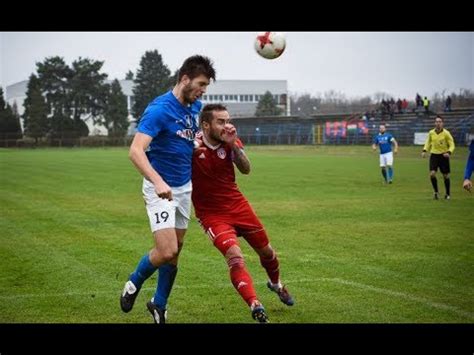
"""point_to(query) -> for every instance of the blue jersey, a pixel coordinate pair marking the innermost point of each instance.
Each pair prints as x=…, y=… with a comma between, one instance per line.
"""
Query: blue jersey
x=172, y=126
x=384, y=142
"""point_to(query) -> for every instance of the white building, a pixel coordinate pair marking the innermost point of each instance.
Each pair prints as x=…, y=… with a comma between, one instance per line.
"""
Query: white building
x=240, y=96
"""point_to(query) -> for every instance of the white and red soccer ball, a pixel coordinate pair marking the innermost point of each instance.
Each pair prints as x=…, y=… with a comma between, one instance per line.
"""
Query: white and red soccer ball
x=270, y=45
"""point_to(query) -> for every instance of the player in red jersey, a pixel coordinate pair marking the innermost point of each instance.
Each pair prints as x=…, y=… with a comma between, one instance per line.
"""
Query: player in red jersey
x=224, y=212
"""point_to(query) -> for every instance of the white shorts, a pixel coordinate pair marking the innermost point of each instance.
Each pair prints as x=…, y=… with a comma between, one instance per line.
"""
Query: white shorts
x=163, y=213
x=386, y=159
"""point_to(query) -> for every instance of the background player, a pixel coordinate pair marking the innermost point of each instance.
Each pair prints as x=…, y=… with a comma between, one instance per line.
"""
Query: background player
x=441, y=145
x=385, y=140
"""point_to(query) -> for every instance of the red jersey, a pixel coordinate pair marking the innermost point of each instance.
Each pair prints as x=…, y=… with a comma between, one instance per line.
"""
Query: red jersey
x=214, y=188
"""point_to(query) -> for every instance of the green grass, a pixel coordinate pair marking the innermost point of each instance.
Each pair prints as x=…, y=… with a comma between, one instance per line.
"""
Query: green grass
x=73, y=226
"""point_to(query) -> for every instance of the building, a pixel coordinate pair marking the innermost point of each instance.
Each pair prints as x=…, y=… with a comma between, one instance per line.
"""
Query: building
x=240, y=96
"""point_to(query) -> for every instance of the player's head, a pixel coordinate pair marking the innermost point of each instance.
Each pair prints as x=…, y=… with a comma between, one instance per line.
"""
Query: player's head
x=194, y=76
x=382, y=128
x=214, y=117
x=439, y=122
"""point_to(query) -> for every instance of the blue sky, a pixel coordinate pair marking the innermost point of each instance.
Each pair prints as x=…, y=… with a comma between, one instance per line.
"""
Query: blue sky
x=354, y=63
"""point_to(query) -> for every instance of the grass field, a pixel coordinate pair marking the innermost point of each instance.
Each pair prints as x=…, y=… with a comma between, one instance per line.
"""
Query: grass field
x=352, y=250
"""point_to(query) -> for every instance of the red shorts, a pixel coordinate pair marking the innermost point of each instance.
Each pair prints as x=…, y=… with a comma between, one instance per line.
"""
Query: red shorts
x=224, y=230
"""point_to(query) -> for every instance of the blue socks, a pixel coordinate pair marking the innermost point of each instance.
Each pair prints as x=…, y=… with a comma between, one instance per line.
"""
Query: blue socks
x=144, y=270
x=166, y=275
x=390, y=173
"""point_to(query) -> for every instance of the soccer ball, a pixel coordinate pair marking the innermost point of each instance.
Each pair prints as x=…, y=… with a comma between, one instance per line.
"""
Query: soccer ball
x=270, y=45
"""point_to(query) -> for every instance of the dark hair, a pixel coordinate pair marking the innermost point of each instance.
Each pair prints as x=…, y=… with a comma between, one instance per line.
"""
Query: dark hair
x=197, y=65
x=207, y=112
x=438, y=116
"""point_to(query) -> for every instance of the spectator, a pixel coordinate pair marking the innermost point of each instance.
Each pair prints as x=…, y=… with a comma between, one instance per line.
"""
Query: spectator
x=404, y=105
x=418, y=101
x=426, y=104
x=399, y=105
x=447, y=105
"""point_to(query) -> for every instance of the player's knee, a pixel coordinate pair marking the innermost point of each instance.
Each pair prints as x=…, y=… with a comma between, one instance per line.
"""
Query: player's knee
x=266, y=252
x=234, y=252
x=432, y=173
x=446, y=176
x=168, y=254
x=236, y=261
x=226, y=244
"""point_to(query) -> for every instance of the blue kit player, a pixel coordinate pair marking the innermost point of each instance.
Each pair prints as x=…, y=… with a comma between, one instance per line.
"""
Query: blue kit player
x=385, y=140
x=467, y=183
x=162, y=151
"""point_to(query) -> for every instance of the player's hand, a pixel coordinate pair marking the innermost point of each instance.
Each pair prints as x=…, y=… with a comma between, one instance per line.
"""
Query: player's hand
x=198, y=140
x=446, y=155
x=423, y=154
x=467, y=185
x=229, y=135
x=396, y=151
x=163, y=190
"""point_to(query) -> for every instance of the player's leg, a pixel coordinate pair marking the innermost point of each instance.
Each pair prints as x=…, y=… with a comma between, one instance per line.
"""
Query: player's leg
x=382, y=166
x=166, y=276
x=168, y=271
x=161, y=215
x=389, y=161
x=433, y=169
x=165, y=251
x=225, y=240
x=445, y=170
x=250, y=227
x=269, y=261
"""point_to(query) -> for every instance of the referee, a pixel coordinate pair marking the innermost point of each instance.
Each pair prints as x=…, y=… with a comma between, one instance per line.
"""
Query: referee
x=440, y=144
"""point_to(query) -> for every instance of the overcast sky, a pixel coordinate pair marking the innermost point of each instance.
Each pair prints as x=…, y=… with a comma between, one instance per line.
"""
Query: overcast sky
x=354, y=63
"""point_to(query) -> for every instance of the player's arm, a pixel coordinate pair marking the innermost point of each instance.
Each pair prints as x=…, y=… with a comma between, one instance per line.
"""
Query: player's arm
x=238, y=156
x=395, y=145
x=427, y=145
x=137, y=155
x=374, y=143
x=467, y=184
x=450, y=141
x=240, y=159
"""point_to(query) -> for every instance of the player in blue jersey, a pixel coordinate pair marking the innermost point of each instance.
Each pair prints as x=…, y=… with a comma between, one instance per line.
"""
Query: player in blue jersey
x=385, y=140
x=162, y=152
x=467, y=184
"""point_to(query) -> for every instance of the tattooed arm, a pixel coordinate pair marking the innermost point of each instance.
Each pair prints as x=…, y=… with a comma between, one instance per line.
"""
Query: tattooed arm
x=238, y=155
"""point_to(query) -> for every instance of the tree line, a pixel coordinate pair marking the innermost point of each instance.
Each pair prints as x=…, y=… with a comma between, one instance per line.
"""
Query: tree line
x=331, y=102
x=61, y=98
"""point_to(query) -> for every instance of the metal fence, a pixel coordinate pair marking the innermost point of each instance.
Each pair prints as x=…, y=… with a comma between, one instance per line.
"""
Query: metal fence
x=348, y=132
x=331, y=130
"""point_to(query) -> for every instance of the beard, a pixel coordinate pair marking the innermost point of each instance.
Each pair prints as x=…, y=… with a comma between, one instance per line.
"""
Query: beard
x=187, y=97
x=216, y=136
